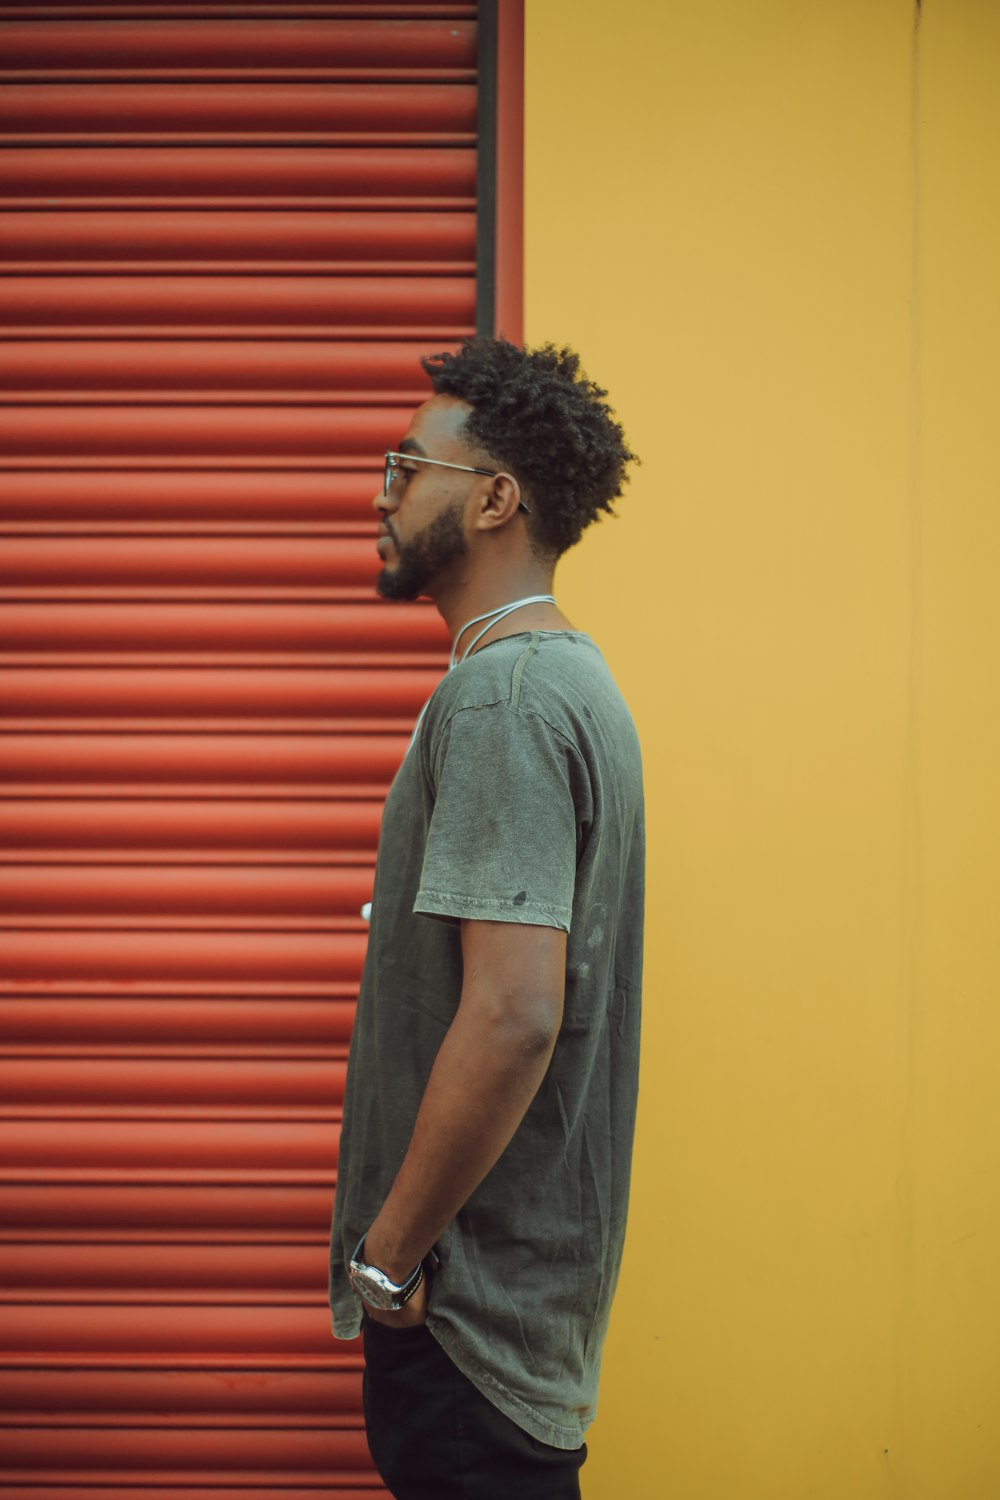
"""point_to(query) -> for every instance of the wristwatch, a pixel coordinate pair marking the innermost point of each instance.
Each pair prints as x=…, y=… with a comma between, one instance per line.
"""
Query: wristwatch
x=376, y=1288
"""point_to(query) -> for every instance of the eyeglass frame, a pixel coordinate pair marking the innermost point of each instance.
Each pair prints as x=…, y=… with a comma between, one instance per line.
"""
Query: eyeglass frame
x=392, y=469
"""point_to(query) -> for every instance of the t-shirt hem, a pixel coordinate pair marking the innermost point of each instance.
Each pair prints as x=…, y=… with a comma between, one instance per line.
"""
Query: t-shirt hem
x=486, y=908
x=568, y=1438
x=346, y=1325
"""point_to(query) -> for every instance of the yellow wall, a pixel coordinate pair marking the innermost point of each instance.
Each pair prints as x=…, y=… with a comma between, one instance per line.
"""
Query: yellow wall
x=790, y=288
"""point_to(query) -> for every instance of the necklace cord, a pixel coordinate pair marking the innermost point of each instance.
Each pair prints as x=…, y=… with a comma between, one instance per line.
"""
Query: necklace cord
x=494, y=616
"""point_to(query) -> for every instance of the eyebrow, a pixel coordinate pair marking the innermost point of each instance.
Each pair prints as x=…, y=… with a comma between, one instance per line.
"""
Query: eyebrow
x=410, y=445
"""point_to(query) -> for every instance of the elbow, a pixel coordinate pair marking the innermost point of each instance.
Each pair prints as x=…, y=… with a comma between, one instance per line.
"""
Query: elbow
x=530, y=1025
x=548, y=1020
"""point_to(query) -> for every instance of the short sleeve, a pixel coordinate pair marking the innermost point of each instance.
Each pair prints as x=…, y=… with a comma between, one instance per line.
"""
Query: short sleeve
x=502, y=840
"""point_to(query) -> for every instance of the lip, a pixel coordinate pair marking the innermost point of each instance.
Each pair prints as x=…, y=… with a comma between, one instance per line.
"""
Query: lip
x=384, y=540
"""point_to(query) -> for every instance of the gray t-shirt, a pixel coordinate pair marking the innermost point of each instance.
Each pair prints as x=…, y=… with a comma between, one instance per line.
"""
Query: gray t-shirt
x=520, y=800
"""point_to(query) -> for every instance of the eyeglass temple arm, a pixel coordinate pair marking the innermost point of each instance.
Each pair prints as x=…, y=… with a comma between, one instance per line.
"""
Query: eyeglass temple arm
x=392, y=462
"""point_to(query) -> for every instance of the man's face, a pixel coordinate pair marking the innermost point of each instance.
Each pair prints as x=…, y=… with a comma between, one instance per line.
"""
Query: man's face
x=411, y=566
x=422, y=536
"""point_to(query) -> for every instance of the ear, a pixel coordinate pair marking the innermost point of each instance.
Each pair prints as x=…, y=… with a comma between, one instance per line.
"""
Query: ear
x=499, y=503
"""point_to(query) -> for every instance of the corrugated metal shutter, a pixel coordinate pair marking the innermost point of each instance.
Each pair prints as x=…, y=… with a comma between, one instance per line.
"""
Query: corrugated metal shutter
x=227, y=231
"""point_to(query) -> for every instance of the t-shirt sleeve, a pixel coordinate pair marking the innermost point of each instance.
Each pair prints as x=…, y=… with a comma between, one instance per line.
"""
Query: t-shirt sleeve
x=503, y=834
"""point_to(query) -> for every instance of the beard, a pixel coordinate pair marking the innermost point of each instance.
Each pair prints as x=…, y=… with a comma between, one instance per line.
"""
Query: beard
x=424, y=556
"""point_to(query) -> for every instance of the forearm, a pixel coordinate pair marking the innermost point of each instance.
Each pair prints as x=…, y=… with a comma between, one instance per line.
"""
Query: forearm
x=487, y=1072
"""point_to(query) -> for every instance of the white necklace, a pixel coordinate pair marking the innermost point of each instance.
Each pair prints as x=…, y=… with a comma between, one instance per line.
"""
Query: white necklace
x=494, y=616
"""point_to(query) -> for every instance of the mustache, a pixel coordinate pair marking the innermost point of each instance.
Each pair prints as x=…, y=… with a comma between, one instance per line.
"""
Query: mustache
x=389, y=528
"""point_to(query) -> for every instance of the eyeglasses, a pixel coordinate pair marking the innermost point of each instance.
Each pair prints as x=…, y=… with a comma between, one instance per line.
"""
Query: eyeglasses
x=392, y=461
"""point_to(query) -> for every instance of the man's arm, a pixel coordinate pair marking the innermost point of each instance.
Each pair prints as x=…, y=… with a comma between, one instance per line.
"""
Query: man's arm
x=487, y=1071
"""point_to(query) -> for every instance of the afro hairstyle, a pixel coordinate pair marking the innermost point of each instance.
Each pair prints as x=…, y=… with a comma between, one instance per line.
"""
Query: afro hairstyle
x=536, y=415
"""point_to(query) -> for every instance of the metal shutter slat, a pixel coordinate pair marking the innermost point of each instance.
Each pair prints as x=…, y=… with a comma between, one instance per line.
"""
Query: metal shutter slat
x=64, y=1025
x=358, y=114
x=188, y=1210
x=351, y=372
x=269, y=175
x=302, y=44
x=441, y=306
x=207, y=764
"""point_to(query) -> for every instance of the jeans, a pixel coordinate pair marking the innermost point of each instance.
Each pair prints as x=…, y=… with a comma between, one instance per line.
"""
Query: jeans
x=434, y=1436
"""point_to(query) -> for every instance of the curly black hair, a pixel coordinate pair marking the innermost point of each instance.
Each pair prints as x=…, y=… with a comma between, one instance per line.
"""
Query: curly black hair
x=535, y=414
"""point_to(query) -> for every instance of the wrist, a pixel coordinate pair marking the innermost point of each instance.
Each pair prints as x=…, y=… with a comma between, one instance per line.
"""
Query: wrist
x=378, y=1250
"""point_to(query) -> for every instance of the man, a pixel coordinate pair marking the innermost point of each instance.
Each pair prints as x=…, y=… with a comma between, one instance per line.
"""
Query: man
x=490, y=1100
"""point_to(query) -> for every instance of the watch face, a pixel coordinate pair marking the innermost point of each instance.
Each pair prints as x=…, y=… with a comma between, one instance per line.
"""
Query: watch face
x=369, y=1289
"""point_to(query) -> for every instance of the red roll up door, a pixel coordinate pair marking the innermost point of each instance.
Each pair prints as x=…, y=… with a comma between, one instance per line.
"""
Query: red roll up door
x=227, y=232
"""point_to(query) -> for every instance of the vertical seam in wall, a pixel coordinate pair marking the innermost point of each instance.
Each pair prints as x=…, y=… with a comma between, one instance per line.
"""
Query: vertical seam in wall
x=901, y=1476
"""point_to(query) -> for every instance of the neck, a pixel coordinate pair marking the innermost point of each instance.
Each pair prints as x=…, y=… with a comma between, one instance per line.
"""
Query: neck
x=470, y=598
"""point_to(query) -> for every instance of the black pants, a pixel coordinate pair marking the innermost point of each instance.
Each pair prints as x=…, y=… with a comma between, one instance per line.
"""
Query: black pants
x=434, y=1436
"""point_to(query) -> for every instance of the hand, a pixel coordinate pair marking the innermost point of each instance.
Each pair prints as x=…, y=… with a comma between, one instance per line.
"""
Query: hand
x=410, y=1316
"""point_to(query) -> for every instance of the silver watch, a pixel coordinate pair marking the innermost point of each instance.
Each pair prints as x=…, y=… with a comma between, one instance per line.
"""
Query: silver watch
x=376, y=1288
